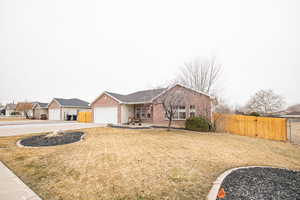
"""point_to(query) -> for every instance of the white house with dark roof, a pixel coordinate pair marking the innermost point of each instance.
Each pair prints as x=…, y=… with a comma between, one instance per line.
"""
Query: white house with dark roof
x=59, y=109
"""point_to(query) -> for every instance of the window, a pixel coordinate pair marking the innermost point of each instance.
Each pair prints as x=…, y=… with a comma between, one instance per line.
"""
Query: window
x=180, y=113
x=192, y=110
x=192, y=114
x=138, y=112
x=192, y=107
x=142, y=112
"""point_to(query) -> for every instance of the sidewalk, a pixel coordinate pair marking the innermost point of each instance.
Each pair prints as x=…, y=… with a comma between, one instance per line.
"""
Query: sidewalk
x=12, y=188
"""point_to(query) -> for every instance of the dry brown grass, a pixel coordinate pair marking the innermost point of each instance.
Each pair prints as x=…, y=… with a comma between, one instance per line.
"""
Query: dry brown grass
x=140, y=164
x=12, y=118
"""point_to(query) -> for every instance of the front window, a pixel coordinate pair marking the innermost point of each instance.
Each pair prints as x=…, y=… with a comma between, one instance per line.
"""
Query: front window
x=180, y=113
x=142, y=112
x=192, y=110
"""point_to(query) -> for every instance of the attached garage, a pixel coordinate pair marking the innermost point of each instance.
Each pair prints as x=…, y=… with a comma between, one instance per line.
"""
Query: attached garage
x=66, y=109
x=107, y=115
x=54, y=114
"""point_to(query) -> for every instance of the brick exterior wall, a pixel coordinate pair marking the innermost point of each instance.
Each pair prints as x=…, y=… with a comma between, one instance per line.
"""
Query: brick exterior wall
x=53, y=105
x=202, y=106
x=149, y=109
x=201, y=102
x=106, y=101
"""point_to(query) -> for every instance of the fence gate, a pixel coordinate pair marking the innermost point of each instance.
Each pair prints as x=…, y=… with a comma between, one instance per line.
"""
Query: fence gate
x=294, y=131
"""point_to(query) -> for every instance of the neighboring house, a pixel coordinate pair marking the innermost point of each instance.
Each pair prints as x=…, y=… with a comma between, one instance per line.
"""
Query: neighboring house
x=292, y=115
x=2, y=110
x=40, y=109
x=10, y=109
x=25, y=109
x=59, y=109
x=146, y=105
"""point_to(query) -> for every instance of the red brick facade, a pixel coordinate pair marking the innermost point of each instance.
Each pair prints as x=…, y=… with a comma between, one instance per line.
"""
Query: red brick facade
x=201, y=102
x=106, y=101
x=53, y=105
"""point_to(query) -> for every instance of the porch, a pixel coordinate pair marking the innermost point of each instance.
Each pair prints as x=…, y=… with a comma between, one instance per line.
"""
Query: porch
x=136, y=114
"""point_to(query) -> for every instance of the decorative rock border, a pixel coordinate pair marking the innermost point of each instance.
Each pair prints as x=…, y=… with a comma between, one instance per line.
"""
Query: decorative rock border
x=213, y=193
x=129, y=126
x=18, y=143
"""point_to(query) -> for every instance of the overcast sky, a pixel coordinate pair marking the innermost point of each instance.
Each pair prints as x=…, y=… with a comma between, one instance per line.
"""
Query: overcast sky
x=80, y=48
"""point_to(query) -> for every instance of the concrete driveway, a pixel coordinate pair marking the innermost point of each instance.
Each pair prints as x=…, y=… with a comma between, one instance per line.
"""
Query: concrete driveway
x=12, y=128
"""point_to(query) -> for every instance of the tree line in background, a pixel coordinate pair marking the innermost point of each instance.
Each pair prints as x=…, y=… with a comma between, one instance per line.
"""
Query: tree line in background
x=204, y=75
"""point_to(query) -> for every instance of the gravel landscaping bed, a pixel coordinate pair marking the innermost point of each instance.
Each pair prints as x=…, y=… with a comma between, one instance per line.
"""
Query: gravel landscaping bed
x=46, y=140
x=261, y=183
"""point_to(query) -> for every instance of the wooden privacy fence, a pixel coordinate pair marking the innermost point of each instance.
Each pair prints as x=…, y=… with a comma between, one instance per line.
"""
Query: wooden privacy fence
x=84, y=117
x=262, y=127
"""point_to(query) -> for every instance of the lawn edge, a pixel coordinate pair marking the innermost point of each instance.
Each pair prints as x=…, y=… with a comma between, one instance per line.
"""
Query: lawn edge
x=213, y=193
x=28, y=193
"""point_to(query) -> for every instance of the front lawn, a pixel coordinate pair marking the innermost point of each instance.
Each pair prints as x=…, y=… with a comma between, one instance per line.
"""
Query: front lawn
x=139, y=164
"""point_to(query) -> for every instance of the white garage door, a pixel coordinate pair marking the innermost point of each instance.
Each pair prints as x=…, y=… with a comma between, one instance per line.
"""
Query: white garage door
x=106, y=115
x=54, y=114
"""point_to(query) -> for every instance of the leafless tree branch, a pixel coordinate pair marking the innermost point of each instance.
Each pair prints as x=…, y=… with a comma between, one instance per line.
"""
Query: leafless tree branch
x=265, y=102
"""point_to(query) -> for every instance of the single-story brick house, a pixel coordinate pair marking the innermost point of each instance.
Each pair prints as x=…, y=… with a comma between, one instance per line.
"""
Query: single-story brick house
x=59, y=109
x=40, y=109
x=146, y=105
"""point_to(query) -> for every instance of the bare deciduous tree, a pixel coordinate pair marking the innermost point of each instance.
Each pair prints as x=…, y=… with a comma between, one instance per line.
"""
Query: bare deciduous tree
x=201, y=75
x=265, y=102
x=171, y=102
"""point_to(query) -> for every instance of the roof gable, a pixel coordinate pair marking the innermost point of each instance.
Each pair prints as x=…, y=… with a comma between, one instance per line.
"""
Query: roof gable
x=74, y=102
x=137, y=97
x=21, y=106
x=40, y=105
x=185, y=87
x=10, y=106
x=144, y=96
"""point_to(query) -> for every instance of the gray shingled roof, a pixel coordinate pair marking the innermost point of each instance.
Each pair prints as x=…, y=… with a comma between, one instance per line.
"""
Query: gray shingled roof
x=72, y=102
x=140, y=96
x=42, y=105
x=10, y=106
x=293, y=113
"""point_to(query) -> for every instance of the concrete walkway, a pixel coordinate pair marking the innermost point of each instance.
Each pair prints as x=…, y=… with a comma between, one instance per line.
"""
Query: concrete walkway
x=45, y=126
x=13, y=188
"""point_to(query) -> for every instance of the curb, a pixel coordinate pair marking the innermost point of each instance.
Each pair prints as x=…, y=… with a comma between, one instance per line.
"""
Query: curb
x=213, y=193
x=18, y=143
x=20, y=189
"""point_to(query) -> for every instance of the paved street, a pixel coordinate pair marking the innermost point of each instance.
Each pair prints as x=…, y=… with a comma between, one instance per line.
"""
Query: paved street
x=11, y=128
